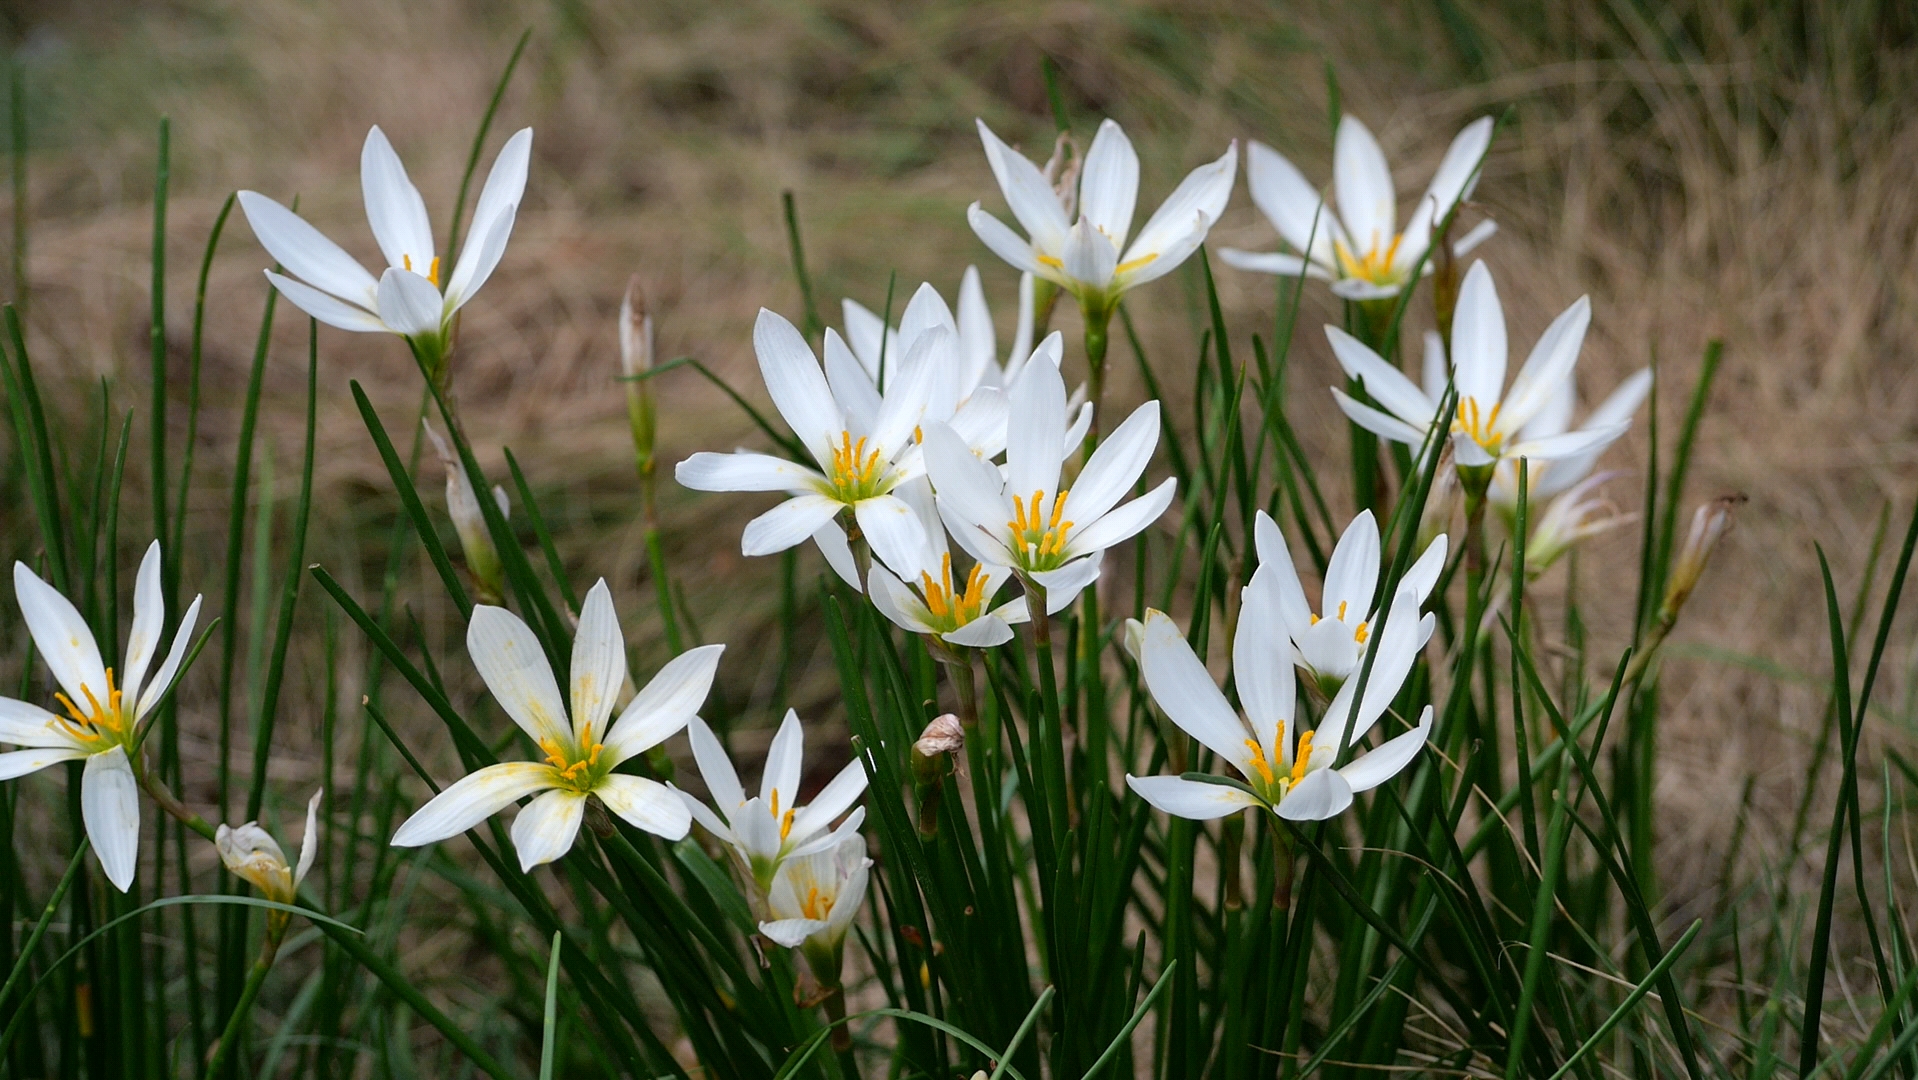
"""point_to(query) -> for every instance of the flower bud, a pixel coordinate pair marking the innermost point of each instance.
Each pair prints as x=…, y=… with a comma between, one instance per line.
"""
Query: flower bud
x=252, y=854
x=637, y=343
x=463, y=506
x=1710, y=522
x=1441, y=503
x=932, y=756
x=945, y=735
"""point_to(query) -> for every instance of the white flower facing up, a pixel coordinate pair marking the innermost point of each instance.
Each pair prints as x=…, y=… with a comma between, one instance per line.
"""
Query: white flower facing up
x=865, y=445
x=1090, y=257
x=814, y=898
x=252, y=855
x=1359, y=249
x=1022, y=517
x=580, y=756
x=926, y=598
x=411, y=297
x=102, y=721
x=770, y=828
x=1491, y=422
x=1293, y=774
x=1330, y=643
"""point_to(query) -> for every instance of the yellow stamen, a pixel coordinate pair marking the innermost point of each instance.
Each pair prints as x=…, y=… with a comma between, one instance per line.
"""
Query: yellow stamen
x=786, y=823
x=1049, y=260
x=1258, y=763
x=1342, y=604
x=775, y=802
x=1133, y=264
x=1361, y=634
x=432, y=271
x=96, y=722
x=1302, y=757
x=1481, y=428
x=817, y=905
x=1375, y=265
x=856, y=471
x=1047, y=540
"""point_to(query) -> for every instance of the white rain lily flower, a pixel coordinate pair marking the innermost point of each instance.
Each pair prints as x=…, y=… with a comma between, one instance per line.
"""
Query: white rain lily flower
x=410, y=297
x=580, y=756
x=252, y=854
x=1290, y=773
x=772, y=827
x=925, y=598
x=102, y=725
x=1021, y=518
x=865, y=445
x=1545, y=479
x=1491, y=421
x=813, y=900
x=1359, y=249
x=1090, y=258
x=1330, y=644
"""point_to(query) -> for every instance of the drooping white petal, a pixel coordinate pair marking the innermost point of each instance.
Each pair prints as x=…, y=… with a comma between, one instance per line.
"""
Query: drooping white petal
x=1367, y=202
x=1352, y=575
x=1361, y=289
x=322, y=306
x=546, y=827
x=785, y=762
x=797, y=386
x=1478, y=339
x=787, y=524
x=149, y=617
x=897, y=603
x=599, y=662
x=891, y=528
x=409, y=304
x=1372, y=769
x=62, y=636
x=110, y=808
x=514, y=667
x=393, y=206
x=1549, y=366
x=472, y=800
x=831, y=541
x=1028, y=194
x=1116, y=465
x=309, y=840
x=306, y=253
x=665, y=704
x=1185, y=691
x=1006, y=244
x=1387, y=385
x=703, y=814
x=1109, y=186
x=745, y=471
x=1323, y=793
x=1192, y=799
x=985, y=632
x=716, y=769
x=1290, y=203
x=792, y=933
x=492, y=217
x=645, y=804
x=163, y=678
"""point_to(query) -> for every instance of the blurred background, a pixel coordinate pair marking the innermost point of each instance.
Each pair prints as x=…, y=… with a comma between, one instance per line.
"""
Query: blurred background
x=1739, y=171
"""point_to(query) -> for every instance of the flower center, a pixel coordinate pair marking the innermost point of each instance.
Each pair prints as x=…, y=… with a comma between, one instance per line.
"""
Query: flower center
x=952, y=608
x=432, y=272
x=1375, y=265
x=857, y=473
x=96, y=724
x=1265, y=779
x=817, y=905
x=1481, y=425
x=1040, y=540
x=578, y=767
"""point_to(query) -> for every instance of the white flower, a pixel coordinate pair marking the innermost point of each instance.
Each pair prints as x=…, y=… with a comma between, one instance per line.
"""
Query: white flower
x=865, y=445
x=102, y=724
x=1360, y=249
x=925, y=598
x=814, y=898
x=1544, y=479
x=581, y=756
x=1331, y=643
x=252, y=854
x=406, y=299
x=1575, y=516
x=1090, y=258
x=770, y=828
x=1290, y=773
x=1491, y=421
x=1021, y=518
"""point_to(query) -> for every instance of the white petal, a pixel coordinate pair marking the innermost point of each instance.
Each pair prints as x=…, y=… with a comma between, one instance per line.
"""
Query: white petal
x=1088, y=257
x=1006, y=244
x=1262, y=666
x=1064, y=585
x=716, y=769
x=909, y=391
x=1290, y=203
x=25, y=724
x=514, y=667
x=1424, y=572
x=984, y=632
x=393, y=206
x=1367, y=202
x=472, y=800
x=1353, y=573
x=1035, y=431
x=1185, y=691
x=703, y=814
x=967, y=487
x=1192, y=799
x=1115, y=466
x=925, y=310
x=1127, y=521
x=787, y=524
x=163, y=678
x=1368, y=771
x=1110, y=183
x=110, y=807
x=492, y=217
x=984, y=421
x=1361, y=289
x=1387, y=385
x=599, y=662
x=863, y=335
x=1478, y=339
x=797, y=386
x=1549, y=366
x=484, y=249
x=852, y=387
x=409, y=304
x=62, y=636
x=1436, y=369
x=149, y=619
x=1570, y=444
x=897, y=603
x=1617, y=409
x=745, y=471
x=785, y=762
x=322, y=306
x=892, y=529
x=1478, y=234
x=1323, y=793
x=831, y=541
x=1275, y=559
x=17, y=763
x=833, y=800
x=977, y=342
x=305, y=252
x=833, y=839
x=1167, y=237
x=665, y=704
x=792, y=933
x=1268, y=262
x=1457, y=175
x=1376, y=422
x=1027, y=193
x=645, y=804
x=309, y=840
x=546, y=827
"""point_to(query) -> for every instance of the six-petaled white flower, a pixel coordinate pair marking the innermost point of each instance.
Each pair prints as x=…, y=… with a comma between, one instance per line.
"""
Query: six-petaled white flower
x=1090, y=258
x=580, y=756
x=1331, y=643
x=411, y=297
x=1022, y=517
x=102, y=721
x=772, y=827
x=1292, y=773
x=814, y=898
x=1359, y=249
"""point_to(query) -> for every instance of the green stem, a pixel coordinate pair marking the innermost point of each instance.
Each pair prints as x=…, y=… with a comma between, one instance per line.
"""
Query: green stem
x=276, y=923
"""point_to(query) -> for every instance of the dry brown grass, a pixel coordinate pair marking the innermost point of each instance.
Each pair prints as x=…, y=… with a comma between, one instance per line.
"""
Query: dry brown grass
x=1736, y=173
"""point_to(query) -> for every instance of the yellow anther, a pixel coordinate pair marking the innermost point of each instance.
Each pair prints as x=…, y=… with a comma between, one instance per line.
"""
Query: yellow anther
x=817, y=905
x=432, y=271
x=1375, y=265
x=856, y=471
x=1361, y=633
x=786, y=823
x=1481, y=428
x=1314, y=622
x=1302, y=757
x=1049, y=260
x=1133, y=264
x=775, y=803
x=96, y=722
x=1342, y=605
x=1047, y=539
x=1258, y=763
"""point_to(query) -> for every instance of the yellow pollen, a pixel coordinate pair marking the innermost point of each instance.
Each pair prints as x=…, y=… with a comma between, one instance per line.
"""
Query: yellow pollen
x=96, y=722
x=1048, y=260
x=432, y=271
x=1361, y=633
x=1133, y=264
x=1481, y=428
x=855, y=470
x=1302, y=757
x=816, y=906
x=1046, y=540
x=1342, y=604
x=1375, y=265
x=1258, y=762
x=775, y=802
x=786, y=823
x=1314, y=622
x=571, y=770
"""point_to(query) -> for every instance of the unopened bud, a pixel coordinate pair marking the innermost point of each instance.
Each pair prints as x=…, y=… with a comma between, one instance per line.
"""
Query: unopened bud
x=252, y=855
x=945, y=735
x=932, y=756
x=1445, y=286
x=1062, y=172
x=1441, y=502
x=636, y=354
x=1710, y=522
x=469, y=521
